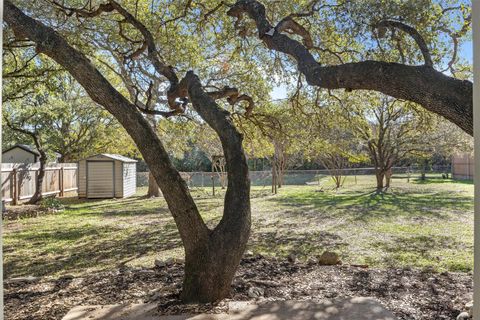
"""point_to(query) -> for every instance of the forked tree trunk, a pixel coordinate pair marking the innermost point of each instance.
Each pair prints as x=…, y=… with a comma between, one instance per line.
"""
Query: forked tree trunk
x=209, y=270
x=338, y=179
x=212, y=256
x=211, y=263
x=153, y=189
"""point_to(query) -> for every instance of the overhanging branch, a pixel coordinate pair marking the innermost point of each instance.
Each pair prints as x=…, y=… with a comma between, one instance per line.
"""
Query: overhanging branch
x=382, y=25
x=436, y=92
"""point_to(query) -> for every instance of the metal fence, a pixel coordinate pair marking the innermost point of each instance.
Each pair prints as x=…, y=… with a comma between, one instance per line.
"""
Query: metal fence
x=19, y=180
x=291, y=177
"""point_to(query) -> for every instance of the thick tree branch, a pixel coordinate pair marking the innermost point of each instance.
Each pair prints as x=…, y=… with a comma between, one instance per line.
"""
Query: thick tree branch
x=233, y=97
x=422, y=45
x=236, y=219
x=238, y=191
x=291, y=26
x=446, y=96
x=50, y=43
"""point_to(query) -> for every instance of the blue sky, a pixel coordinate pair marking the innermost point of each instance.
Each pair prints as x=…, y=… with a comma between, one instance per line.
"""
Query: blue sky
x=465, y=52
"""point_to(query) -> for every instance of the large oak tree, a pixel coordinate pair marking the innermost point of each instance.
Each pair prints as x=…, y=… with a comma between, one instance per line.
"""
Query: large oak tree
x=212, y=255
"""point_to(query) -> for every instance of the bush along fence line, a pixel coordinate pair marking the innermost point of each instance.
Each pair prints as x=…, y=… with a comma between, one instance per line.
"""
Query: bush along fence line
x=19, y=180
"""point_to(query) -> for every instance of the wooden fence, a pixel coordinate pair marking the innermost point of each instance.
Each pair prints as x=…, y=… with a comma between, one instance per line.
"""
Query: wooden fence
x=19, y=180
x=463, y=166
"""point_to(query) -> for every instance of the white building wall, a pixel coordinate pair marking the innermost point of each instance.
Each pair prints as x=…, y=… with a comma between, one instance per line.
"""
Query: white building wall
x=118, y=180
x=129, y=179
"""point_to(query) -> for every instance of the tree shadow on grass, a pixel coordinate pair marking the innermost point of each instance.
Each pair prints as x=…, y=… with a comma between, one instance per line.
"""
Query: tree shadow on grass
x=362, y=206
x=428, y=181
x=77, y=204
x=137, y=205
x=421, y=250
x=84, y=236
x=123, y=211
x=302, y=244
x=88, y=247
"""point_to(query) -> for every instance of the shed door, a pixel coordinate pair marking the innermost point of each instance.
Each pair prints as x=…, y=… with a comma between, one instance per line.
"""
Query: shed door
x=100, y=179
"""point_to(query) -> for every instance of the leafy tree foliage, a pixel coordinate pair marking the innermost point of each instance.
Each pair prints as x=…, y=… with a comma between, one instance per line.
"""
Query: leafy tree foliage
x=128, y=57
x=69, y=124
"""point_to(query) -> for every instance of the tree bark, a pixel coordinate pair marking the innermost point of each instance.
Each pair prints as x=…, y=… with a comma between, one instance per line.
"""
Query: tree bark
x=211, y=256
x=37, y=196
x=209, y=271
x=211, y=265
x=388, y=178
x=380, y=175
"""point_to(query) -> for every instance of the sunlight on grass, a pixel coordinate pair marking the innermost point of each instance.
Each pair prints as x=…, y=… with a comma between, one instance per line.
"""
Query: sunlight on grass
x=417, y=223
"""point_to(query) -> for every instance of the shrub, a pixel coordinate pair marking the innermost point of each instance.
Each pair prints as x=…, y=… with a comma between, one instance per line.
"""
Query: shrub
x=51, y=203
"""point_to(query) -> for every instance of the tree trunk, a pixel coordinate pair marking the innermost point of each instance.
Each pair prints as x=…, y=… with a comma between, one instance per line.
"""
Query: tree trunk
x=279, y=176
x=37, y=196
x=212, y=256
x=209, y=270
x=380, y=177
x=153, y=189
x=424, y=170
x=388, y=178
x=210, y=265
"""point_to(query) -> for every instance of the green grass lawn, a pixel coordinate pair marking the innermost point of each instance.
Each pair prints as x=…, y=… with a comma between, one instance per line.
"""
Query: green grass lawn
x=417, y=223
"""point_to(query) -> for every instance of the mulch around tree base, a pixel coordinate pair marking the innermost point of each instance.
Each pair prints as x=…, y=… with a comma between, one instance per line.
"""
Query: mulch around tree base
x=410, y=294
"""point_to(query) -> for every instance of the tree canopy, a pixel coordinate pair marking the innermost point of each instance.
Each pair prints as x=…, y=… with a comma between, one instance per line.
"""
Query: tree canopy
x=198, y=61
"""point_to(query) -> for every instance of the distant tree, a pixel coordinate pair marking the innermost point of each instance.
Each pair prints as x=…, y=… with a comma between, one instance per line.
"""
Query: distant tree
x=71, y=124
x=389, y=129
x=28, y=123
x=208, y=142
x=443, y=141
x=329, y=140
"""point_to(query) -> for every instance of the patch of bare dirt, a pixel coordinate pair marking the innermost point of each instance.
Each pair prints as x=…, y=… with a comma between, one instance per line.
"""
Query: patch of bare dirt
x=410, y=294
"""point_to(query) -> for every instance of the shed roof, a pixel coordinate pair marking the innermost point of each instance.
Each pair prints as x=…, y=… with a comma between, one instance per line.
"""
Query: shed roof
x=24, y=147
x=114, y=157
